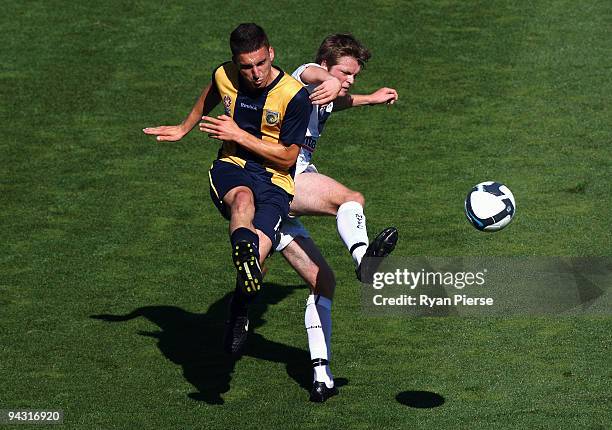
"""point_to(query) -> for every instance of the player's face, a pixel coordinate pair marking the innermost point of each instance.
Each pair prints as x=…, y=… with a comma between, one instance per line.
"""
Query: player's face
x=346, y=71
x=256, y=67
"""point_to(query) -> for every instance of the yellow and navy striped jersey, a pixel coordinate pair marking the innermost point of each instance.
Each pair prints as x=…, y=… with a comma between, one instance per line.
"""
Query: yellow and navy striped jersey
x=278, y=113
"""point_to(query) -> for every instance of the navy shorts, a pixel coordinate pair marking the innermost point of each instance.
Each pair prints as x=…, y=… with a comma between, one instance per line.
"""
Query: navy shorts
x=271, y=201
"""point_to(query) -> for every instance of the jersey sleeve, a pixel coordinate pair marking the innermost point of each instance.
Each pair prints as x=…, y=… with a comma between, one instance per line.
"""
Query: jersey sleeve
x=298, y=72
x=297, y=115
x=213, y=77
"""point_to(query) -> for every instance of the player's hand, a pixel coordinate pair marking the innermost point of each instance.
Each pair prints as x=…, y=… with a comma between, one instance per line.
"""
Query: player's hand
x=222, y=127
x=326, y=92
x=383, y=95
x=169, y=133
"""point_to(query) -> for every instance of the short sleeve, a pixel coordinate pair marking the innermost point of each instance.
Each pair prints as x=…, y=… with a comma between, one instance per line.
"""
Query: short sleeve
x=297, y=115
x=298, y=72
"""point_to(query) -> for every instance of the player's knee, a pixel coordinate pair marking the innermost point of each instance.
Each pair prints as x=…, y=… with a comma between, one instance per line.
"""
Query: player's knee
x=242, y=202
x=354, y=196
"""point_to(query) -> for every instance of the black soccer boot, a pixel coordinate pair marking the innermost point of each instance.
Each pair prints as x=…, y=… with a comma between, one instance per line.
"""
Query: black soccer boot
x=247, y=266
x=236, y=333
x=380, y=247
x=321, y=393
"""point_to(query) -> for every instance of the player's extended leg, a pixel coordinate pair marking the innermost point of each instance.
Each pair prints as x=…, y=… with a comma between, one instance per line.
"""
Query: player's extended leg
x=246, y=247
x=317, y=194
x=253, y=228
x=249, y=249
x=304, y=256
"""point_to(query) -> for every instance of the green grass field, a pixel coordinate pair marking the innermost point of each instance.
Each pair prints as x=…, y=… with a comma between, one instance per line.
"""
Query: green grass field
x=114, y=271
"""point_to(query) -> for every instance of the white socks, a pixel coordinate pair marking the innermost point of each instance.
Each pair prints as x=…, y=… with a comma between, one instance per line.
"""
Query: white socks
x=317, y=319
x=352, y=229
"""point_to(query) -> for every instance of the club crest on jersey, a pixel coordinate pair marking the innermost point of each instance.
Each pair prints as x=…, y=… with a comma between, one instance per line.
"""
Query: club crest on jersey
x=272, y=117
x=227, y=102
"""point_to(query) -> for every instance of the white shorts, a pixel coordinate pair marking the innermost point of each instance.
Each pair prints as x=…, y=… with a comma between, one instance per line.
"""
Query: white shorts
x=303, y=164
x=292, y=227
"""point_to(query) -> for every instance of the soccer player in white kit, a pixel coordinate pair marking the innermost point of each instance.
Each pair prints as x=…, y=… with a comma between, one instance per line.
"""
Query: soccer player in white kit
x=339, y=60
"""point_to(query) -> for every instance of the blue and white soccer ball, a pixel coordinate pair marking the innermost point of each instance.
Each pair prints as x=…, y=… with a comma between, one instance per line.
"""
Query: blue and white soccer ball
x=490, y=206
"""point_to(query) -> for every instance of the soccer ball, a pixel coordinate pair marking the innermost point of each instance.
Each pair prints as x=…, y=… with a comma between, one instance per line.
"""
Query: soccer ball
x=490, y=206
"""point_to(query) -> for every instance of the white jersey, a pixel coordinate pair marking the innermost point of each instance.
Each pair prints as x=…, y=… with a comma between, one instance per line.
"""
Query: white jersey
x=318, y=117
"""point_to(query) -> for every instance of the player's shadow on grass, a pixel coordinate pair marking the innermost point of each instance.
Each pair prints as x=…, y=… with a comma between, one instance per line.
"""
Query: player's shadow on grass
x=194, y=341
x=420, y=399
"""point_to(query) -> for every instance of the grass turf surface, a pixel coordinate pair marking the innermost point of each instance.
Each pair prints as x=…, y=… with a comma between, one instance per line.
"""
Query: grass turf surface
x=99, y=220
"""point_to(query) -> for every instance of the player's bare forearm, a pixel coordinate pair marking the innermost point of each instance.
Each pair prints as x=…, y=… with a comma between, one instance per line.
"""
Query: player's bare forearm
x=327, y=88
x=207, y=100
x=278, y=154
x=315, y=75
x=205, y=103
x=380, y=96
x=225, y=128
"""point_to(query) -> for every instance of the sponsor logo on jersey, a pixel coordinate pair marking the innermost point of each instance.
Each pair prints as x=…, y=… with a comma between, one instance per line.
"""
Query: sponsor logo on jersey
x=248, y=106
x=272, y=117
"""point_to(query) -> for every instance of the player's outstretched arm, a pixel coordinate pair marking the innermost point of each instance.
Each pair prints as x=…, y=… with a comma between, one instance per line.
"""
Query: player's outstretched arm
x=380, y=96
x=172, y=133
x=327, y=88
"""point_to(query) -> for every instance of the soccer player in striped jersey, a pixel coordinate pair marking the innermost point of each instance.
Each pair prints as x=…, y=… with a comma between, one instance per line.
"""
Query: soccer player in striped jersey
x=251, y=181
x=339, y=60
